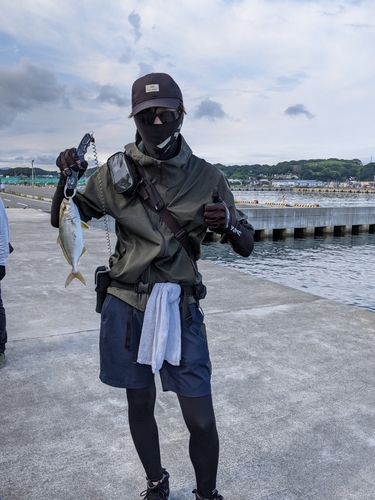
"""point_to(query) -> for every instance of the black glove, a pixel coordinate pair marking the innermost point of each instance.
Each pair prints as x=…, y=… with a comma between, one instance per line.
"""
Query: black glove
x=2, y=272
x=217, y=217
x=220, y=220
x=67, y=161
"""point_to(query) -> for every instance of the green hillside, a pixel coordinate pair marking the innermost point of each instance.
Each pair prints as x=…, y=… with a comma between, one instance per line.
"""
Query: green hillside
x=331, y=169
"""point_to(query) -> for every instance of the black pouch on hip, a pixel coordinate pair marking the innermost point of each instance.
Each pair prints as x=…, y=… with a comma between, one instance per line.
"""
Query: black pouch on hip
x=102, y=281
x=200, y=291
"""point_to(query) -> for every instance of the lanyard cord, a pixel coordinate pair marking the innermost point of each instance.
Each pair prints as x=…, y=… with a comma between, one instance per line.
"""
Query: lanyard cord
x=106, y=226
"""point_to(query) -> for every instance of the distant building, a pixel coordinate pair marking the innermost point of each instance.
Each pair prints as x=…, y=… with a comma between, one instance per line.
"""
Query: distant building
x=284, y=183
x=296, y=183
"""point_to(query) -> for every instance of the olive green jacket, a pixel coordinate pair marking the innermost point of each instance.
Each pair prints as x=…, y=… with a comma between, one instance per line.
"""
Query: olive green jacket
x=146, y=249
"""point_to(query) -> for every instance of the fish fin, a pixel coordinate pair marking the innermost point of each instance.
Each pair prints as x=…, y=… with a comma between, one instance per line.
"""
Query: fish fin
x=83, y=251
x=58, y=240
x=81, y=278
x=71, y=277
x=84, y=225
x=64, y=253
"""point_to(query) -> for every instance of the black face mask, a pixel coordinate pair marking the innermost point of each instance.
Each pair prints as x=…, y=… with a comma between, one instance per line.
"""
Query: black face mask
x=160, y=141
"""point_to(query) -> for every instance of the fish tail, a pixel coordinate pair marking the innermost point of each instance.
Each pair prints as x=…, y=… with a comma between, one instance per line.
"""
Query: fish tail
x=73, y=275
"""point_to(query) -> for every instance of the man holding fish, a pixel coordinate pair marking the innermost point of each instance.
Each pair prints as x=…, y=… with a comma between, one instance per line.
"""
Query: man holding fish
x=163, y=199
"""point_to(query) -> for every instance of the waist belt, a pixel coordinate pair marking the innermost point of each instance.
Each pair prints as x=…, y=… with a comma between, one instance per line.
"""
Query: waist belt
x=190, y=294
x=140, y=287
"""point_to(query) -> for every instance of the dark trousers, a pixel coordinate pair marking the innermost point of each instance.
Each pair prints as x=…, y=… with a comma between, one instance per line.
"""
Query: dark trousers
x=3, y=329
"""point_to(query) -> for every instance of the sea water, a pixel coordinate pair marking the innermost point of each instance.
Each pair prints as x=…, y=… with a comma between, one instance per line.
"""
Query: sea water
x=341, y=268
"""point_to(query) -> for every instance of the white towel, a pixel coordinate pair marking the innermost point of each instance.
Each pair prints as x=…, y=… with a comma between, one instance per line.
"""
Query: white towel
x=161, y=331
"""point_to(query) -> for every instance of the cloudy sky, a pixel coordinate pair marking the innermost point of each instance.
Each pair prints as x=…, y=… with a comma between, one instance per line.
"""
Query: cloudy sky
x=263, y=81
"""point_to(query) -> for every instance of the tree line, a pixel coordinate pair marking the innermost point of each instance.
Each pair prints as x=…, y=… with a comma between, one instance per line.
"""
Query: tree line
x=27, y=172
x=332, y=169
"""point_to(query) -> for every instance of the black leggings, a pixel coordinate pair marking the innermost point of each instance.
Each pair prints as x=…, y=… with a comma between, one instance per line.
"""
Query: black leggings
x=199, y=417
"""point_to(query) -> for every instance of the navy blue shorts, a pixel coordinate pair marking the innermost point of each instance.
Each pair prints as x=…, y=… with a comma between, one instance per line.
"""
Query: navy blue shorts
x=119, y=351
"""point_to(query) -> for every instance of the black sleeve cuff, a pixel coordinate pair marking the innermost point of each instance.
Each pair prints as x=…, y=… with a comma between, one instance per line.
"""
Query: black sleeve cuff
x=240, y=238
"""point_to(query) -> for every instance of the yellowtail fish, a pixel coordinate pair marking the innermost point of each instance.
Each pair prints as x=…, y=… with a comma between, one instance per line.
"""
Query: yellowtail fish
x=71, y=238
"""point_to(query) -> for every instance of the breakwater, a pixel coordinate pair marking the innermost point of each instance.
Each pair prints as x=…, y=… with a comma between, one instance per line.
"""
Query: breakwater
x=300, y=221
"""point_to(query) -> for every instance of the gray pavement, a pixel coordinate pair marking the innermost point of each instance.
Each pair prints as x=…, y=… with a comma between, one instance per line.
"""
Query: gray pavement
x=293, y=385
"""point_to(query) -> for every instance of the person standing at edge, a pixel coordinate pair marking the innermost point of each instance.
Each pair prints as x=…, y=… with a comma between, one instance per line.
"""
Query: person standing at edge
x=4, y=252
x=148, y=257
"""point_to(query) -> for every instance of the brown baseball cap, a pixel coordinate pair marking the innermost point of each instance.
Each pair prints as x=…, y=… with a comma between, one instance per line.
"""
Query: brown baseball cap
x=155, y=90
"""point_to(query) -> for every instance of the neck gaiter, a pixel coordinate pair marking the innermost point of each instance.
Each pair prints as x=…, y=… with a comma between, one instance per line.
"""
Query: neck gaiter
x=160, y=141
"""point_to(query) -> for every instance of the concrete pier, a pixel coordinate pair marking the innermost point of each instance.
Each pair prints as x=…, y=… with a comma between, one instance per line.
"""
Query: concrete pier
x=284, y=221
x=293, y=387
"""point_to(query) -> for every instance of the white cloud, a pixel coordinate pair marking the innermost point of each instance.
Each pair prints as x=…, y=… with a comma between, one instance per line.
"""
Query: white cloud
x=298, y=109
x=209, y=109
x=25, y=86
x=135, y=21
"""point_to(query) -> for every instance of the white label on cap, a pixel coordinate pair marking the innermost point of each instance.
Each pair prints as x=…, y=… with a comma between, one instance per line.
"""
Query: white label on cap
x=153, y=87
